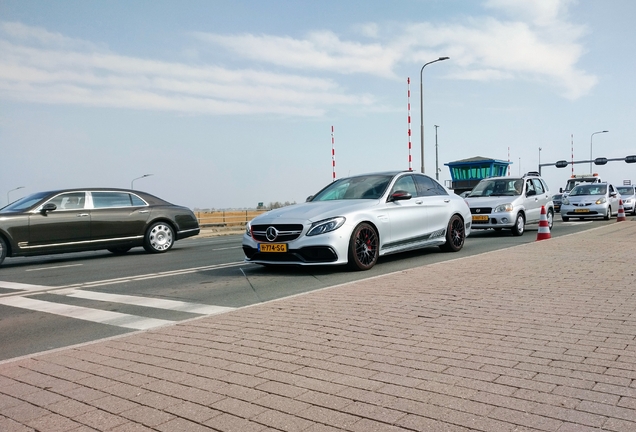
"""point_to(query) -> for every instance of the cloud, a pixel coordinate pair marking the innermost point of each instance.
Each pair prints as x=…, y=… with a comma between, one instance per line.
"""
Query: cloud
x=42, y=37
x=538, y=12
x=297, y=76
x=53, y=72
x=535, y=45
x=488, y=49
x=319, y=51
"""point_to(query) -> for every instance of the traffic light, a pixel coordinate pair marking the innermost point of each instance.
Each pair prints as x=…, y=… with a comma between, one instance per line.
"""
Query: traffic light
x=563, y=163
x=600, y=161
x=630, y=159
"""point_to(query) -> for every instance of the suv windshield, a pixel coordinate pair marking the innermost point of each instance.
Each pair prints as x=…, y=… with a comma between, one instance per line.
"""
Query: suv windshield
x=498, y=187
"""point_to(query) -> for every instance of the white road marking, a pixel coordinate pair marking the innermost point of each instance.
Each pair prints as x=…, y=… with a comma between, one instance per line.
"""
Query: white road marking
x=21, y=286
x=174, y=305
x=86, y=314
x=44, y=288
x=53, y=267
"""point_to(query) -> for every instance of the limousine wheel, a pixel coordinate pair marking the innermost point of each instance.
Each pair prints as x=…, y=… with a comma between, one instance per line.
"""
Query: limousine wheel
x=3, y=249
x=159, y=238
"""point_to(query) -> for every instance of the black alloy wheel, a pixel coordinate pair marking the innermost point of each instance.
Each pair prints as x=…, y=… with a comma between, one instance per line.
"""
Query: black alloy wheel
x=455, y=235
x=363, y=247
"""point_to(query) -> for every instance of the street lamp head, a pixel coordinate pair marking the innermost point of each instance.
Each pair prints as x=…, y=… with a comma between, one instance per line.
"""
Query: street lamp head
x=422, y=108
x=137, y=178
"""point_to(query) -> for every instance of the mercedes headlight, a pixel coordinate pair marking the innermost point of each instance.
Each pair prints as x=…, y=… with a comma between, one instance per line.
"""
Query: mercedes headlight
x=248, y=229
x=325, y=226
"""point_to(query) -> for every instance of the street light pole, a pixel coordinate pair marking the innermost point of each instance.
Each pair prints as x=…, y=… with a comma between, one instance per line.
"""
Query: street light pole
x=539, y=160
x=591, y=136
x=422, y=108
x=133, y=180
x=19, y=187
x=436, y=156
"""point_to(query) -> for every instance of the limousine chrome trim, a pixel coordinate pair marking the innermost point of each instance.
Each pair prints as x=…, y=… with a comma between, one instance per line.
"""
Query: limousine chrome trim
x=189, y=230
x=24, y=245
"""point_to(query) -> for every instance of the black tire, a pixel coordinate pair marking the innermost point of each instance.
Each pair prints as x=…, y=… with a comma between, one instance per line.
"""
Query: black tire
x=608, y=216
x=119, y=250
x=550, y=217
x=3, y=250
x=520, y=225
x=363, y=247
x=159, y=238
x=455, y=235
x=565, y=218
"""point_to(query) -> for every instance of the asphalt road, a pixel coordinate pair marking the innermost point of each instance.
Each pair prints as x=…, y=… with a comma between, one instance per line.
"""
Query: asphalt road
x=55, y=301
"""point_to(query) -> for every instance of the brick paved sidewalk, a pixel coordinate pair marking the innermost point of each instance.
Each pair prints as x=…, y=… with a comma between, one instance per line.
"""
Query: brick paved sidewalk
x=539, y=337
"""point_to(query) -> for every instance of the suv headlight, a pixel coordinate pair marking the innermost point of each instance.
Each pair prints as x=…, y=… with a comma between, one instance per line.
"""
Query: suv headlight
x=325, y=226
x=601, y=200
x=504, y=208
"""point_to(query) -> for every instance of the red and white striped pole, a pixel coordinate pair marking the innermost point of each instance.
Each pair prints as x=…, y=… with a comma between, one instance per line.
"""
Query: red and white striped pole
x=333, y=156
x=408, y=108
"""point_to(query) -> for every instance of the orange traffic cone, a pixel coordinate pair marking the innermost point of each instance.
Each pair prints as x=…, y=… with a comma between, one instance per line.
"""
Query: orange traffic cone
x=621, y=212
x=544, y=226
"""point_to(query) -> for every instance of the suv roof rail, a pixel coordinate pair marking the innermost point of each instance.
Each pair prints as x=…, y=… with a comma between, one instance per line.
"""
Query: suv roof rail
x=532, y=173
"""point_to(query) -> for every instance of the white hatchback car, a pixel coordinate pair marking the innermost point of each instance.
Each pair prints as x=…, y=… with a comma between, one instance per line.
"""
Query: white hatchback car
x=591, y=201
x=510, y=203
x=628, y=195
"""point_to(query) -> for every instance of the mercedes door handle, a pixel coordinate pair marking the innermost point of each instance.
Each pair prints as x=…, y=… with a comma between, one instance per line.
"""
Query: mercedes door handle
x=82, y=214
x=143, y=211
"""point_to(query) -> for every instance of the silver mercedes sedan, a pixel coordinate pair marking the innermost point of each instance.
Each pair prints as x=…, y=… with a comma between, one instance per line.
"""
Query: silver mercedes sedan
x=355, y=220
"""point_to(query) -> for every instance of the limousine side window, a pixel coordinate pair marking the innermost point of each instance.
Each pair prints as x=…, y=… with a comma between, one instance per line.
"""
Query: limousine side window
x=69, y=201
x=116, y=199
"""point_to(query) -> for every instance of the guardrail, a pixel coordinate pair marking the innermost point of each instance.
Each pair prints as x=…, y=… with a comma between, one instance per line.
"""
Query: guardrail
x=226, y=218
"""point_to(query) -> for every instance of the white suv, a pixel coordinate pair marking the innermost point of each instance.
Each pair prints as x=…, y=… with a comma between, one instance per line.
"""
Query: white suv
x=510, y=202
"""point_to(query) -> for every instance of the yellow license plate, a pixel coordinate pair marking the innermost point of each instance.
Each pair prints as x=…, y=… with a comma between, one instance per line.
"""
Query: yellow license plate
x=581, y=211
x=480, y=217
x=272, y=247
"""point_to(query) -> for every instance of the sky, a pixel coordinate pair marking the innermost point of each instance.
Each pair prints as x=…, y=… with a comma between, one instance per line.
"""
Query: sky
x=228, y=104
